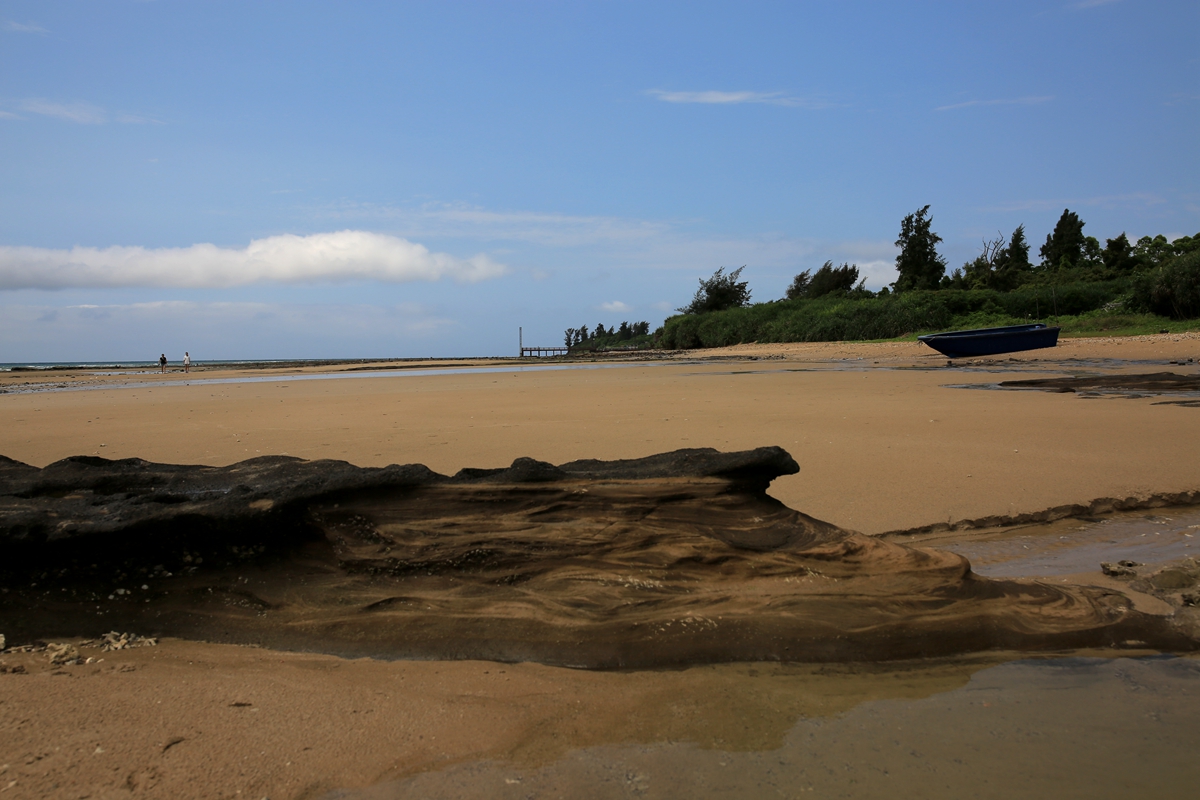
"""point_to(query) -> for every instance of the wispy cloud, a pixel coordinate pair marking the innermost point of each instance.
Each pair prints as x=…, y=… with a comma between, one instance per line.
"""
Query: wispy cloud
x=1094, y=3
x=137, y=119
x=27, y=27
x=341, y=256
x=604, y=244
x=734, y=98
x=616, y=307
x=1135, y=199
x=536, y=227
x=81, y=113
x=1179, y=98
x=1008, y=101
x=9, y=115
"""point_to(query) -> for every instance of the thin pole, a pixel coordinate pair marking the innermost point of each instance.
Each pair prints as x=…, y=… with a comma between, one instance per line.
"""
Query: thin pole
x=520, y=341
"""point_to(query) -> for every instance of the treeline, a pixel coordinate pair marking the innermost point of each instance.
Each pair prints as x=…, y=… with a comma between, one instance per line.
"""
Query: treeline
x=1075, y=276
x=601, y=338
x=832, y=317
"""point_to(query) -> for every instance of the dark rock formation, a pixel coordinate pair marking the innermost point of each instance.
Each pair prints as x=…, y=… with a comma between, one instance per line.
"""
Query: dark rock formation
x=673, y=559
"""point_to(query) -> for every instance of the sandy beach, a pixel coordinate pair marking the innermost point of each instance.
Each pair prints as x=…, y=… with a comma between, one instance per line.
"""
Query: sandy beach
x=888, y=438
x=882, y=444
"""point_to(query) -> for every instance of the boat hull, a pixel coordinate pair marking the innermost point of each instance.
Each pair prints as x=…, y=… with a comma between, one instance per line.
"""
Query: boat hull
x=992, y=341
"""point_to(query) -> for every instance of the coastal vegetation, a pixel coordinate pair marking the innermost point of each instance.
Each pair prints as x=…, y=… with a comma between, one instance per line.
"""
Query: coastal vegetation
x=626, y=336
x=1121, y=287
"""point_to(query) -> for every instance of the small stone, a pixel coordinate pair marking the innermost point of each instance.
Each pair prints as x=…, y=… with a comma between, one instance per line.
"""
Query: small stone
x=62, y=654
x=1117, y=570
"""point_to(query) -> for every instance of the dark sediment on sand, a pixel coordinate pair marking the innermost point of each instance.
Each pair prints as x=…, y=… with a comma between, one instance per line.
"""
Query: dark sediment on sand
x=675, y=559
x=1149, y=383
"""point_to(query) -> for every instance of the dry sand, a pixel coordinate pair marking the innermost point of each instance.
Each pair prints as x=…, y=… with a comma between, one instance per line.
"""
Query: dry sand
x=882, y=446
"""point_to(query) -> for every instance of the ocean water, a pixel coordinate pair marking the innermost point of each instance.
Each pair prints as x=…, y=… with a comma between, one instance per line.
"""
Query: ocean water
x=44, y=366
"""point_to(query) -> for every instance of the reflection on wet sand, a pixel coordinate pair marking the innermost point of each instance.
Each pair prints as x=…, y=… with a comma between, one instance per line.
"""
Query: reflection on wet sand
x=1072, y=546
x=1080, y=727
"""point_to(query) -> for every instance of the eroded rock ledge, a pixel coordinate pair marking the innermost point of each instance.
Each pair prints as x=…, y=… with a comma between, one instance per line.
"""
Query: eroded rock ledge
x=674, y=559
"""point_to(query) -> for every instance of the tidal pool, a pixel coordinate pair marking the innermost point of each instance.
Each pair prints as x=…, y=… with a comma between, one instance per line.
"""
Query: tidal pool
x=1065, y=728
x=1072, y=546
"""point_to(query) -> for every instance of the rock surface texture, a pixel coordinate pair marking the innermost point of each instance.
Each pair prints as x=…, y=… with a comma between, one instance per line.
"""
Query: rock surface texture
x=674, y=559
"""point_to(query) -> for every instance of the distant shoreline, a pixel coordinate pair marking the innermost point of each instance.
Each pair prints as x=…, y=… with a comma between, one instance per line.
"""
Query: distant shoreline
x=407, y=362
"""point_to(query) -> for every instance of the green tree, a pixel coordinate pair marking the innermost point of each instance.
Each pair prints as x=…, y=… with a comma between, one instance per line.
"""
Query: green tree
x=799, y=287
x=833, y=280
x=919, y=264
x=1018, y=251
x=1013, y=265
x=1065, y=247
x=1158, y=251
x=1118, y=256
x=719, y=292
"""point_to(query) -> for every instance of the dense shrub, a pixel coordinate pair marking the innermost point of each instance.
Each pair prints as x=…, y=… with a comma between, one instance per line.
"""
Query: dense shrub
x=1172, y=290
x=833, y=318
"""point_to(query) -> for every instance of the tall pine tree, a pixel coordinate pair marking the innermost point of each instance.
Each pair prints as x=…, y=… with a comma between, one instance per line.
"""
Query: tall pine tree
x=1064, y=247
x=919, y=264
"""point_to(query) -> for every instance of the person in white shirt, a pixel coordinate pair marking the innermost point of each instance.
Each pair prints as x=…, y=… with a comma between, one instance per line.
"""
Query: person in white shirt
x=187, y=361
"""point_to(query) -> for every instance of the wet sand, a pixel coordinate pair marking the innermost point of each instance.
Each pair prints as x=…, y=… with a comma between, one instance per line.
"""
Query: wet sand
x=200, y=720
x=882, y=447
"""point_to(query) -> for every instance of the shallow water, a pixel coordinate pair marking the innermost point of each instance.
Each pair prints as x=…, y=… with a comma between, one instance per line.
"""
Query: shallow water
x=1068, y=547
x=323, y=376
x=1067, y=728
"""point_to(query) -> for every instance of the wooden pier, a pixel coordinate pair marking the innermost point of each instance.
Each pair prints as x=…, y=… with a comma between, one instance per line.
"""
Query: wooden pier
x=540, y=352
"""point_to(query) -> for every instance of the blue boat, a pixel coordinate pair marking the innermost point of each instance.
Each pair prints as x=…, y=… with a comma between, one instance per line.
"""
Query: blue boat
x=992, y=341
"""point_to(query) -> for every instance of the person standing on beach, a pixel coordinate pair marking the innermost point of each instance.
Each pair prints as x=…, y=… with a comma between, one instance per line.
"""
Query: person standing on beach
x=187, y=361
x=162, y=363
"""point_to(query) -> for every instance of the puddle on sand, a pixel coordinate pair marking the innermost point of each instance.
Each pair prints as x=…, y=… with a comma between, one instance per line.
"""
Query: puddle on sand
x=1070, y=728
x=1071, y=546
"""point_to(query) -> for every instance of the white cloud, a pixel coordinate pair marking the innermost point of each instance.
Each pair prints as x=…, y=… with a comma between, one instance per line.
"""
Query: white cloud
x=1010, y=101
x=28, y=27
x=342, y=256
x=713, y=97
x=616, y=307
x=877, y=274
x=9, y=115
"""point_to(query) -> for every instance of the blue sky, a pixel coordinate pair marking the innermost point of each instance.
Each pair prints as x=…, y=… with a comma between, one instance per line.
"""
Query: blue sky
x=310, y=180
